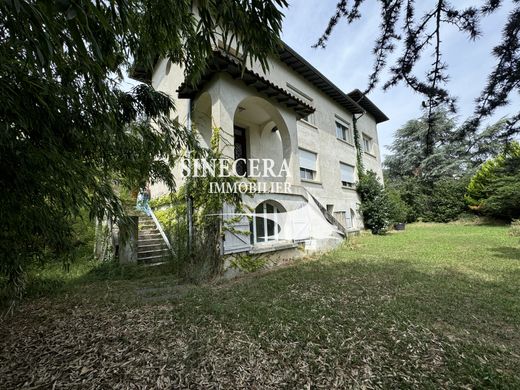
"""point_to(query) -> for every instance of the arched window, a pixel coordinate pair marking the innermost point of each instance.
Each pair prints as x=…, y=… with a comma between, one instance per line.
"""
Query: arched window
x=265, y=226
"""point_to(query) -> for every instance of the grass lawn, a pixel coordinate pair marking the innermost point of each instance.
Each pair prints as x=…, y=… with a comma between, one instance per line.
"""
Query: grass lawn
x=435, y=306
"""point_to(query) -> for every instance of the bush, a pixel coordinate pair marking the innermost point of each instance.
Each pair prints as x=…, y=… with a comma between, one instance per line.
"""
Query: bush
x=446, y=202
x=399, y=210
x=375, y=205
x=515, y=228
x=494, y=189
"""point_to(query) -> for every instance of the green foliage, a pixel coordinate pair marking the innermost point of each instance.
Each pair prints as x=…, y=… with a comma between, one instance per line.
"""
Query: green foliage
x=248, y=263
x=446, y=201
x=201, y=258
x=494, y=189
x=69, y=132
x=478, y=187
x=375, y=205
x=514, y=230
x=433, y=187
x=399, y=210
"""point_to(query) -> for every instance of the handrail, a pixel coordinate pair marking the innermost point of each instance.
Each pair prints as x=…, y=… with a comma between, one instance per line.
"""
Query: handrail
x=159, y=227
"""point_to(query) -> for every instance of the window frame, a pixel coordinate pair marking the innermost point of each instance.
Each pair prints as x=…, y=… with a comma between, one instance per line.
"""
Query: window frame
x=346, y=131
x=313, y=172
x=347, y=184
x=369, y=140
x=264, y=220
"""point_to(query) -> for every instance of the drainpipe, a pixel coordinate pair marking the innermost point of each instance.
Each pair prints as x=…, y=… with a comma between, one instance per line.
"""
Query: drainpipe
x=189, y=199
x=359, y=153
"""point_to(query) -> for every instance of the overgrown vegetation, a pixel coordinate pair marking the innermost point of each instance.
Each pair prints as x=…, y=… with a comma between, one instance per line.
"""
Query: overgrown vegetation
x=515, y=228
x=199, y=257
x=69, y=131
x=375, y=204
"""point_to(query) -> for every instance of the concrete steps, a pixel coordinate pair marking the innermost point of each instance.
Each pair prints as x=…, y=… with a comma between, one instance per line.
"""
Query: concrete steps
x=151, y=247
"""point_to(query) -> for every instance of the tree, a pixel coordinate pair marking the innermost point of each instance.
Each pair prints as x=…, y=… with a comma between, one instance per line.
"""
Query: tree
x=375, y=204
x=433, y=187
x=418, y=33
x=495, y=188
x=452, y=156
x=408, y=148
x=68, y=130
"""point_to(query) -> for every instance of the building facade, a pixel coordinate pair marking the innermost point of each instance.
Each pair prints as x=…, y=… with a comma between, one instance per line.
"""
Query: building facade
x=296, y=118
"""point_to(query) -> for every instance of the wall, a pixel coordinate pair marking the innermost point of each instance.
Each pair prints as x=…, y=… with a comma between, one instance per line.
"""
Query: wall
x=226, y=93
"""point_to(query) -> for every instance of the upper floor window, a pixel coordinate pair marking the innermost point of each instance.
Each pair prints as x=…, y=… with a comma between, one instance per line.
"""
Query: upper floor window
x=308, y=163
x=367, y=144
x=347, y=175
x=343, y=132
x=310, y=119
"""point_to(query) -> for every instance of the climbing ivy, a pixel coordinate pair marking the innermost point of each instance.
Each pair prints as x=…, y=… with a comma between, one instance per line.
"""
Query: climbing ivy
x=200, y=259
x=359, y=150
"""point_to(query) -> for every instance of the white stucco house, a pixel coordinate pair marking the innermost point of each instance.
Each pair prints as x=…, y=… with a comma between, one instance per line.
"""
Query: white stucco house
x=290, y=113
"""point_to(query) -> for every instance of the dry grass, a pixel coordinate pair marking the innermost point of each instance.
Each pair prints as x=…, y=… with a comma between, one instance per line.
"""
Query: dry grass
x=436, y=306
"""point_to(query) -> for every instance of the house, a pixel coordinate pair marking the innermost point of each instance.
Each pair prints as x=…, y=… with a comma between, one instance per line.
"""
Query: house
x=296, y=118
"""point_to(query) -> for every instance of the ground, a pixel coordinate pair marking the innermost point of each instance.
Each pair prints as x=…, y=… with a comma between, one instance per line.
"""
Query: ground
x=434, y=306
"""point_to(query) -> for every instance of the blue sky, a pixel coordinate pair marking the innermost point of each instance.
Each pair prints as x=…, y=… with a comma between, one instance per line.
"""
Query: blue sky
x=348, y=60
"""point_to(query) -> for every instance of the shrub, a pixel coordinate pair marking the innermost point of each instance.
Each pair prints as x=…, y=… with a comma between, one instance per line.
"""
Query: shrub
x=399, y=210
x=375, y=205
x=514, y=230
x=494, y=189
x=446, y=201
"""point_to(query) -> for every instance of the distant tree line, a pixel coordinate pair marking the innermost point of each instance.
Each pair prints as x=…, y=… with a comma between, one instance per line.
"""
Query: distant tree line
x=477, y=172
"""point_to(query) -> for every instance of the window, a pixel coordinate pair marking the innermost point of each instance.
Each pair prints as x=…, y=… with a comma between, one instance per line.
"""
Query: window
x=341, y=217
x=309, y=119
x=241, y=150
x=347, y=175
x=265, y=227
x=367, y=144
x=343, y=133
x=345, y=218
x=350, y=220
x=308, y=164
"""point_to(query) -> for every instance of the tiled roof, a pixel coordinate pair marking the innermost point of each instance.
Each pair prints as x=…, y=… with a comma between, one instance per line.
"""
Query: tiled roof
x=225, y=62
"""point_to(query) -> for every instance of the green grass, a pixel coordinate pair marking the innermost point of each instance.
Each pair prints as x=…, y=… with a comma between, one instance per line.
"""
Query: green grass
x=435, y=306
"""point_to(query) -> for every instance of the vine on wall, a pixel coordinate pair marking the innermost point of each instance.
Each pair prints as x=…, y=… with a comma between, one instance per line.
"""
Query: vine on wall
x=200, y=259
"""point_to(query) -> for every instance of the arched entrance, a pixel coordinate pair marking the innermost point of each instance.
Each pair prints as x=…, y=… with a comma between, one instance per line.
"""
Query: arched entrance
x=202, y=121
x=261, y=133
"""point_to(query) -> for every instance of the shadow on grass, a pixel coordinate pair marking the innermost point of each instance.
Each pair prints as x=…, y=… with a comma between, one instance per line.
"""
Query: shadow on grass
x=505, y=252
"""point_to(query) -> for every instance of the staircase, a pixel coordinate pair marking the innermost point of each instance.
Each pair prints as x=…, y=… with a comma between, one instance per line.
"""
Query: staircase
x=151, y=247
x=329, y=217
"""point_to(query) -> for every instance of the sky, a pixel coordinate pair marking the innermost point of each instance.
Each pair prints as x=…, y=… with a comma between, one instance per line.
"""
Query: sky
x=347, y=60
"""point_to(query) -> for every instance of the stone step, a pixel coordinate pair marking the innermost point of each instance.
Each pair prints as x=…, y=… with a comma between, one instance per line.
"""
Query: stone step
x=150, y=241
x=147, y=246
x=151, y=259
x=146, y=235
x=154, y=252
x=146, y=225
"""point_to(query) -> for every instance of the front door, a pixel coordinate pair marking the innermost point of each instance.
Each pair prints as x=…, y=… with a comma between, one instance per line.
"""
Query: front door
x=241, y=150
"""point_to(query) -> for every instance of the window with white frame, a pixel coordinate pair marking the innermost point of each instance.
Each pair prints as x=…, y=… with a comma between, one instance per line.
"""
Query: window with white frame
x=343, y=132
x=308, y=164
x=367, y=144
x=347, y=175
x=265, y=225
